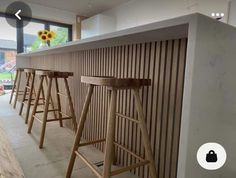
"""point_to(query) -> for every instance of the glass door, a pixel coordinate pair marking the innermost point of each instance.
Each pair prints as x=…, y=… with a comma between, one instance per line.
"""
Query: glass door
x=8, y=51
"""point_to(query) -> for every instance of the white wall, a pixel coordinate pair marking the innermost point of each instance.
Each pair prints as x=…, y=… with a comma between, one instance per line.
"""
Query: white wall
x=140, y=12
x=97, y=25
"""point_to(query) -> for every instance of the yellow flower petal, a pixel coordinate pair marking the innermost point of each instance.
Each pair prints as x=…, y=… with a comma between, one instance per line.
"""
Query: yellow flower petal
x=40, y=33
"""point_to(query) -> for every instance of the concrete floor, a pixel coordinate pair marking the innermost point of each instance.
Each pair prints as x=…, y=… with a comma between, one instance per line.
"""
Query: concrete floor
x=52, y=160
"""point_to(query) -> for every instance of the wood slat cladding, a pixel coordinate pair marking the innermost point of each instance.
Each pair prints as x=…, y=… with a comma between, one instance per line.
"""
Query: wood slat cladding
x=161, y=61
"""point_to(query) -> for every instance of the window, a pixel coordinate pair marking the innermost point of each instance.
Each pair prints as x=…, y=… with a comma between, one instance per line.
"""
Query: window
x=27, y=38
x=31, y=40
x=62, y=35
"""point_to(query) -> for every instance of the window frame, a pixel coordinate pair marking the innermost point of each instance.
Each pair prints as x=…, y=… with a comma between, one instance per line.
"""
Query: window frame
x=20, y=31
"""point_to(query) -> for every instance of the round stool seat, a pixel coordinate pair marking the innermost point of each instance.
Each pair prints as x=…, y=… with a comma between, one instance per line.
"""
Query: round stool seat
x=115, y=82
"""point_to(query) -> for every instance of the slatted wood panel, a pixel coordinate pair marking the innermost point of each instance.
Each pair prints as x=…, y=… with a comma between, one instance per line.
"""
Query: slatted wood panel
x=161, y=61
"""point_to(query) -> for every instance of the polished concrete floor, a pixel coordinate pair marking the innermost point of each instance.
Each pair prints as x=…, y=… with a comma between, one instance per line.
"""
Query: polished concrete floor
x=52, y=160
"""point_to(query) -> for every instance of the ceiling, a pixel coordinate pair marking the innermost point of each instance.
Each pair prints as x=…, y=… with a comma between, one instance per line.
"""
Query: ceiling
x=80, y=7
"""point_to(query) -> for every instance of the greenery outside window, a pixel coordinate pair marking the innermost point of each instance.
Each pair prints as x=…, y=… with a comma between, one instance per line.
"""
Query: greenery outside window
x=61, y=35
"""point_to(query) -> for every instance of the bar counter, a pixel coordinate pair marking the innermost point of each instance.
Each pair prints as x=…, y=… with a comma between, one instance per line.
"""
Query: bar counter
x=188, y=59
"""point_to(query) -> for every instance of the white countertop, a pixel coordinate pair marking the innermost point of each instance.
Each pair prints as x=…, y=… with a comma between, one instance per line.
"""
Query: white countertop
x=164, y=30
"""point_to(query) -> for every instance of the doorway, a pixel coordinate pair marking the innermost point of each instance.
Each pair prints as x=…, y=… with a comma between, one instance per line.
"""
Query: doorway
x=8, y=51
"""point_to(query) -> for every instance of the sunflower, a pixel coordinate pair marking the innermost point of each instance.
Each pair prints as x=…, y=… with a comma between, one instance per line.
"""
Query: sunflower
x=44, y=38
x=45, y=35
x=40, y=33
x=51, y=35
x=45, y=32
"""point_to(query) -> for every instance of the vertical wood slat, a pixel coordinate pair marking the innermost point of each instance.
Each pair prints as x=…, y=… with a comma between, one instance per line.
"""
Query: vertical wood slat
x=161, y=61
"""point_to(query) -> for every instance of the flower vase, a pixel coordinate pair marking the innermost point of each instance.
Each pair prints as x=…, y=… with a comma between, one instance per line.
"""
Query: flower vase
x=43, y=44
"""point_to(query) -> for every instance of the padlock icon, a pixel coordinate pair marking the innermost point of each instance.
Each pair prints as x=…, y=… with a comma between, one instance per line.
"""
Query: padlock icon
x=211, y=157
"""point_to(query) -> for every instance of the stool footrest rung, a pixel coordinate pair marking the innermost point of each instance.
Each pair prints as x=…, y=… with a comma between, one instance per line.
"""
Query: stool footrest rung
x=128, y=151
x=94, y=168
x=129, y=118
x=64, y=114
x=92, y=142
x=63, y=118
x=39, y=99
x=62, y=94
x=50, y=110
x=128, y=168
x=31, y=103
x=26, y=102
x=37, y=119
x=98, y=172
x=40, y=104
x=18, y=91
x=20, y=94
x=51, y=120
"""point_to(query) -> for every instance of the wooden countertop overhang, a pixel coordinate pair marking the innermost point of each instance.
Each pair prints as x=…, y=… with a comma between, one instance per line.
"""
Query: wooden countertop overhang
x=168, y=29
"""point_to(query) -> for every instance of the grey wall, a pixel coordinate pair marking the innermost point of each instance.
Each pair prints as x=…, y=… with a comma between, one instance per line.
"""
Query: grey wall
x=232, y=13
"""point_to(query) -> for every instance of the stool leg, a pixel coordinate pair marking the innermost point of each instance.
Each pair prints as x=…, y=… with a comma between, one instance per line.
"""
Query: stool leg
x=45, y=114
x=43, y=96
x=51, y=100
x=14, y=86
x=17, y=89
x=79, y=131
x=71, y=104
x=58, y=102
x=24, y=95
x=35, y=104
x=29, y=99
x=110, y=137
x=144, y=132
x=114, y=150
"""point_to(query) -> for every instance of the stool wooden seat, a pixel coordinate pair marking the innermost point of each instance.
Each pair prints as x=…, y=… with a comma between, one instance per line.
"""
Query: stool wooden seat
x=16, y=87
x=114, y=84
x=54, y=74
x=49, y=76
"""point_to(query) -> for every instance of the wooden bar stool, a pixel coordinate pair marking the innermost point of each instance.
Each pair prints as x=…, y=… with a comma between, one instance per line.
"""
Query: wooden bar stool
x=28, y=92
x=113, y=85
x=30, y=95
x=16, y=87
x=52, y=75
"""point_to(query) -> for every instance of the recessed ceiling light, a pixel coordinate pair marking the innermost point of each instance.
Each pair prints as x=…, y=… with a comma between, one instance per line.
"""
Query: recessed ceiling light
x=217, y=14
x=213, y=14
x=222, y=14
